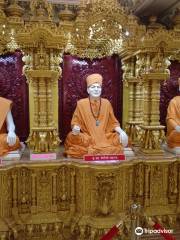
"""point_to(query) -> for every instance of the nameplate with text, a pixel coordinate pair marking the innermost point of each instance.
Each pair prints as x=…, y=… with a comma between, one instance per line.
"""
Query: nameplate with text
x=105, y=157
x=43, y=156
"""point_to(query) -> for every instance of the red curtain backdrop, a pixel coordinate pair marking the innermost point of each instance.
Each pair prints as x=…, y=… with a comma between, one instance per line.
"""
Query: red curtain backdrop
x=169, y=90
x=72, y=86
x=13, y=86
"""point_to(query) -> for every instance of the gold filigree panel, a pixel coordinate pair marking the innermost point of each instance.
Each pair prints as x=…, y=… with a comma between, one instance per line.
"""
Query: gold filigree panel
x=81, y=201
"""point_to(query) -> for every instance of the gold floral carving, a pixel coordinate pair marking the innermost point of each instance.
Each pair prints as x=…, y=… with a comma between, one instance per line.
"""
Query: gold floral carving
x=59, y=200
x=41, y=10
x=105, y=193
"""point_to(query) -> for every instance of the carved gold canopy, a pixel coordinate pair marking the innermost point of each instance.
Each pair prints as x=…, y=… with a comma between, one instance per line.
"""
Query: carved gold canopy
x=93, y=28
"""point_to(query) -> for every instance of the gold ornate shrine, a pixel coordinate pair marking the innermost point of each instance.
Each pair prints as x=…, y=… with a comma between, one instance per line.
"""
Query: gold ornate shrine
x=68, y=199
x=88, y=32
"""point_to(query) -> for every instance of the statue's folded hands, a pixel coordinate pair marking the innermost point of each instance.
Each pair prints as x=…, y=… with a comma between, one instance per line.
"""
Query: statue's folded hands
x=177, y=128
x=76, y=130
x=122, y=136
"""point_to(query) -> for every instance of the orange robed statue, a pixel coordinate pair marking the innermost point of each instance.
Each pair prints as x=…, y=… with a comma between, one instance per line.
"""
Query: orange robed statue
x=173, y=124
x=8, y=139
x=95, y=130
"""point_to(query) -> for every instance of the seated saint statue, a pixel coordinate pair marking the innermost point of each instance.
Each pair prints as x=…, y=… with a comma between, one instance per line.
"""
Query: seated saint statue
x=95, y=130
x=8, y=139
x=173, y=124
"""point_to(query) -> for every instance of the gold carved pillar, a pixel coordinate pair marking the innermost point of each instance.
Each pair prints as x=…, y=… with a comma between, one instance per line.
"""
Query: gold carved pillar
x=2, y=14
x=5, y=204
x=43, y=136
x=42, y=69
x=152, y=131
x=135, y=100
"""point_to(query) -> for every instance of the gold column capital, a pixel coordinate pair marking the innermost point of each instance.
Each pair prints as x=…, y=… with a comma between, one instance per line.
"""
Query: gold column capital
x=159, y=76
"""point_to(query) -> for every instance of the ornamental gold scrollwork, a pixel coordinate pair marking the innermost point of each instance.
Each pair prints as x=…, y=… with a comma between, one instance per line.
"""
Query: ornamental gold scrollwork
x=27, y=59
x=105, y=193
x=55, y=62
x=175, y=56
x=173, y=183
x=160, y=63
x=41, y=58
x=37, y=200
x=41, y=10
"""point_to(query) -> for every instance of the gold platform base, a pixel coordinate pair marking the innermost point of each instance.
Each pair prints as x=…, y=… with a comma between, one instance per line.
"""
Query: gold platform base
x=73, y=199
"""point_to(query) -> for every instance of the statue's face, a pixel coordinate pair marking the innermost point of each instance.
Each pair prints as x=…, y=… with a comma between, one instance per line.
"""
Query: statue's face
x=94, y=90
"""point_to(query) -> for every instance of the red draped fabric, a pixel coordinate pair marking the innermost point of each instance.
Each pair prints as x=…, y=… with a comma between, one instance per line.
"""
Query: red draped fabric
x=169, y=90
x=13, y=86
x=165, y=235
x=72, y=86
x=110, y=234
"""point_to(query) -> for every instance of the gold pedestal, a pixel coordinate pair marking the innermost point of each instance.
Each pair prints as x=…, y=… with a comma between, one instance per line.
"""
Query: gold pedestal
x=133, y=131
x=73, y=199
x=151, y=138
x=43, y=139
